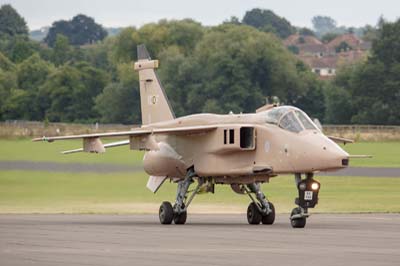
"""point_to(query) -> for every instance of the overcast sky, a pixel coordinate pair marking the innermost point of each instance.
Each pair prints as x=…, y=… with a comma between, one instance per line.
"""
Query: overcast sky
x=40, y=13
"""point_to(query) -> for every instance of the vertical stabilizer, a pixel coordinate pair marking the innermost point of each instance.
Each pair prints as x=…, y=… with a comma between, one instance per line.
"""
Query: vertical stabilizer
x=154, y=102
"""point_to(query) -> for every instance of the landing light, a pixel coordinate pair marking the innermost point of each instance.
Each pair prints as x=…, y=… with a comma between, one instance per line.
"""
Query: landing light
x=315, y=186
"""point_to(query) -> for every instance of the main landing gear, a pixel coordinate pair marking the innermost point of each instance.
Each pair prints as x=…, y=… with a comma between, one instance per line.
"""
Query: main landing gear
x=178, y=213
x=308, y=189
x=260, y=209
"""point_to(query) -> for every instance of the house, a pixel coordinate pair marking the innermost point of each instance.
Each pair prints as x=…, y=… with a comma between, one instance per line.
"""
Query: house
x=323, y=67
x=297, y=39
x=324, y=59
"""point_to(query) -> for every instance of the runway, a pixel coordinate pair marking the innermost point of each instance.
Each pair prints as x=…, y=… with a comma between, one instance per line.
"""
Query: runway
x=113, y=168
x=328, y=239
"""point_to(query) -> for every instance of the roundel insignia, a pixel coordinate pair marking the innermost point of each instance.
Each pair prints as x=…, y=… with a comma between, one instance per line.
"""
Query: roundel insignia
x=153, y=99
x=267, y=146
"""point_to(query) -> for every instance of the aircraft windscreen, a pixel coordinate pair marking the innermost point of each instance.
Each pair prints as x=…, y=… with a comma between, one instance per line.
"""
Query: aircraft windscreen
x=274, y=115
x=290, y=123
x=289, y=118
x=304, y=120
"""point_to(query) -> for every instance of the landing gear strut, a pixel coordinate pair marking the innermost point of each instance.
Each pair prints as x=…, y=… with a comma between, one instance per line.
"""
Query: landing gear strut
x=308, y=189
x=260, y=210
x=178, y=213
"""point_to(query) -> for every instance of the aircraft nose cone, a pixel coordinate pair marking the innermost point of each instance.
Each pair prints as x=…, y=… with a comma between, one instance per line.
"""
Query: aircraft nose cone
x=338, y=158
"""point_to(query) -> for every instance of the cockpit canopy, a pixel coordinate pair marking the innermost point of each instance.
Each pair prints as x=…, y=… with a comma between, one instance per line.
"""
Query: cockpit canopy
x=289, y=118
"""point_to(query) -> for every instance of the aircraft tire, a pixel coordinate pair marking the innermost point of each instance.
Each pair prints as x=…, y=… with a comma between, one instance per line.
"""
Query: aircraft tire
x=299, y=222
x=166, y=213
x=253, y=214
x=180, y=218
x=270, y=218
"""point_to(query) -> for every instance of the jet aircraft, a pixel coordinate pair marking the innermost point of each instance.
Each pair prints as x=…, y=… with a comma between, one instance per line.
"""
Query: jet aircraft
x=240, y=150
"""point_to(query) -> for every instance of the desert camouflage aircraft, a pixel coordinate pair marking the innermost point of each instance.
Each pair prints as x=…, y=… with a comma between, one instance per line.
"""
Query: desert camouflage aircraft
x=241, y=150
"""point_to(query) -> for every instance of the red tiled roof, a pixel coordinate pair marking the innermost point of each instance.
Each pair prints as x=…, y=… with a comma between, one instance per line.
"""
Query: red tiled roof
x=349, y=38
x=333, y=61
x=295, y=40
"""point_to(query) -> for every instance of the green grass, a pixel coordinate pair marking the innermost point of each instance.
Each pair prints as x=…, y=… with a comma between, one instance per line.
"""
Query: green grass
x=48, y=192
x=385, y=154
x=44, y=192
x=26, y=150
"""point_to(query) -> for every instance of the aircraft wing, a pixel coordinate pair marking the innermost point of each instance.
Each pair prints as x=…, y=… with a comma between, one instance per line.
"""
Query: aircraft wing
x=135, y=132
x=92, y=142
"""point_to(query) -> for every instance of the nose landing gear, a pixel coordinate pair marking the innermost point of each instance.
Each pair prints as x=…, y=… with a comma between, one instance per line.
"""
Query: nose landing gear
x=308, y=189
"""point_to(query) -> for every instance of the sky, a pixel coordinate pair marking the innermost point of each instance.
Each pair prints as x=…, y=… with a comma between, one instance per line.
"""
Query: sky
x=117, y=13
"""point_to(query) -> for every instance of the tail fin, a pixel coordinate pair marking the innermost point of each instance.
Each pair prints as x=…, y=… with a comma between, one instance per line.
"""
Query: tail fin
x=154, y=102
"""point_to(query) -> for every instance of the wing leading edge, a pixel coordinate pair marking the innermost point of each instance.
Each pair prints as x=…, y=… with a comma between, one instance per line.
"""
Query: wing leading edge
x=92, y=142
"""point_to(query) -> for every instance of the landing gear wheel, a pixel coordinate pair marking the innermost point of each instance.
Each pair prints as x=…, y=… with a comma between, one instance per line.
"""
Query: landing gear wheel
x=269, y=218
x=180, y=218
x=253, y=214
x=166, y=213
x=298, y=222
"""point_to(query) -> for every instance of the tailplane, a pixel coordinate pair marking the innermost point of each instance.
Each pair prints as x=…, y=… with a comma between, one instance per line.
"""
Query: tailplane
x=154, y=102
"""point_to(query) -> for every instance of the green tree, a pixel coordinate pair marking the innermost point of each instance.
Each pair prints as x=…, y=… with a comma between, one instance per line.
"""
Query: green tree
x=339, y=109
x=22, y=49
x=31, y=75
x=8, y=82
x=80, y=30
x=5, y=63
x=306, y=32
x=94, y=80
x=327, y=37
x=184, y=34
x=68, y=94
x=62, y=51
x=11, y=23
x=374, y=85
x=233, y=68
x=268, y=21
x=323, y=24
x=120, y=101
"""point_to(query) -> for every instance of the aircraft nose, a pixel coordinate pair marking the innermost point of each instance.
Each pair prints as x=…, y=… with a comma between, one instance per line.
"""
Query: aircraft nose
x=337, y=156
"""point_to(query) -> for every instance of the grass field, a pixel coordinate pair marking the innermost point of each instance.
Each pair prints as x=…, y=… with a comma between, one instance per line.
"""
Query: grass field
x=26, y=150
x=47, y=192
x=23, y=192
x=385, y=154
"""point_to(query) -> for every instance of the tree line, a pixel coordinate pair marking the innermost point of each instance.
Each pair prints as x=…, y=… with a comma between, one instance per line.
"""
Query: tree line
x=79, y=75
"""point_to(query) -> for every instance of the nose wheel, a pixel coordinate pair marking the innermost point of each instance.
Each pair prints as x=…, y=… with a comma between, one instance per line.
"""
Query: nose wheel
x=297, y=220
x=308, y=190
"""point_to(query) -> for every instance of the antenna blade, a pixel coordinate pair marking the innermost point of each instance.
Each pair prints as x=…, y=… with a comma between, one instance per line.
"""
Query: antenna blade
x=142, y=52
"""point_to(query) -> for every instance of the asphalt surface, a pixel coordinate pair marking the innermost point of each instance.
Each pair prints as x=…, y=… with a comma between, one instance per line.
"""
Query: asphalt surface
x=112, y=168
x=351, y=239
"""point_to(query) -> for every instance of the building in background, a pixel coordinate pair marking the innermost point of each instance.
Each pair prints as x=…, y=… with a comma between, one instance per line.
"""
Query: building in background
x=325, y=58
